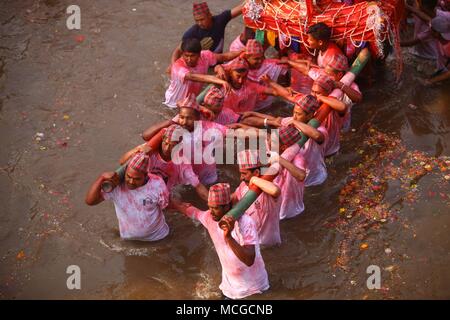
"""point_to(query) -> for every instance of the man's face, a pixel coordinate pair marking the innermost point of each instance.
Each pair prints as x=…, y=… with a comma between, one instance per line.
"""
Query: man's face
x=187, y=118
x=238, y=79
x=313, y=42
x=255, y=61
x=246, y=175
x=190, y=58
x=167, y=146
x=134, y=179
x=317, y=90
x=299, y=114
x=204, y=21
x=217, y=212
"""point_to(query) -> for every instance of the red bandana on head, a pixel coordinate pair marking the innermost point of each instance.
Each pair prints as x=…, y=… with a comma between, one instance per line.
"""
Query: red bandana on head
x=308, y=103
x=200, y=9
x=254, y=47
x=189, y=102
x=248, y=159
x=219, y=195
x=214, y=97
x=139, y=162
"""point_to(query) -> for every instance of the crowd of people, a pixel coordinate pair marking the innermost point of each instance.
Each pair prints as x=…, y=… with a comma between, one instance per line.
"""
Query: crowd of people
x=215, y=90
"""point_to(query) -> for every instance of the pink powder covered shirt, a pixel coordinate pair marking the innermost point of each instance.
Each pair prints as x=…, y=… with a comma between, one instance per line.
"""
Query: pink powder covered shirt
x=333, y=124
x=324, y=58
x=206, y=172
x=173, y=174
x=238, y=279
x=237, y=44
x=139, y=211
x=179, y=87
x=291, y=189
x=314, y=157
x=273, y=70
x=245, y=98
x=265, y=212
x=227, y=116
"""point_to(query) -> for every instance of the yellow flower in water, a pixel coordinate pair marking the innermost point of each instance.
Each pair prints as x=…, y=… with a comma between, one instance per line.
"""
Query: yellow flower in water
x=20, y=255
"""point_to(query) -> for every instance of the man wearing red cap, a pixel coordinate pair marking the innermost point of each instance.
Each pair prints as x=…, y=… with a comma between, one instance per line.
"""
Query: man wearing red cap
x=208, y=29
x=246, y=93
x=319, y=38
x=213, y=109
x=259, y=66
x=138, y=201
x=321, y=88
x=336, y=69
x=161, y=163
x=313, y=151
x=199, y=135
x=265, y=210
x=189, y=73
x=348, y=94
x=292, y=183
x=189, y=118
x=243, y=270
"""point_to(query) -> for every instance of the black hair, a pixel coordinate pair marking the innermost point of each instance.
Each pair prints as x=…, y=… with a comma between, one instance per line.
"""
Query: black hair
x=249, y=33
x=320, y=31
x=191, y=45
x=242, y=70
x=429, y=5
x=196, y=112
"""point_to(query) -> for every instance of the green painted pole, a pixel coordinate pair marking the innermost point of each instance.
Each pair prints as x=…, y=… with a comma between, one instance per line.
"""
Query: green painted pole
x=108, y=186
x=202, y=94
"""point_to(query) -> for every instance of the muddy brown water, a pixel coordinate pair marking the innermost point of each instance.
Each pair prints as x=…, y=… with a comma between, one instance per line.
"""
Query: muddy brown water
x=92, y=98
